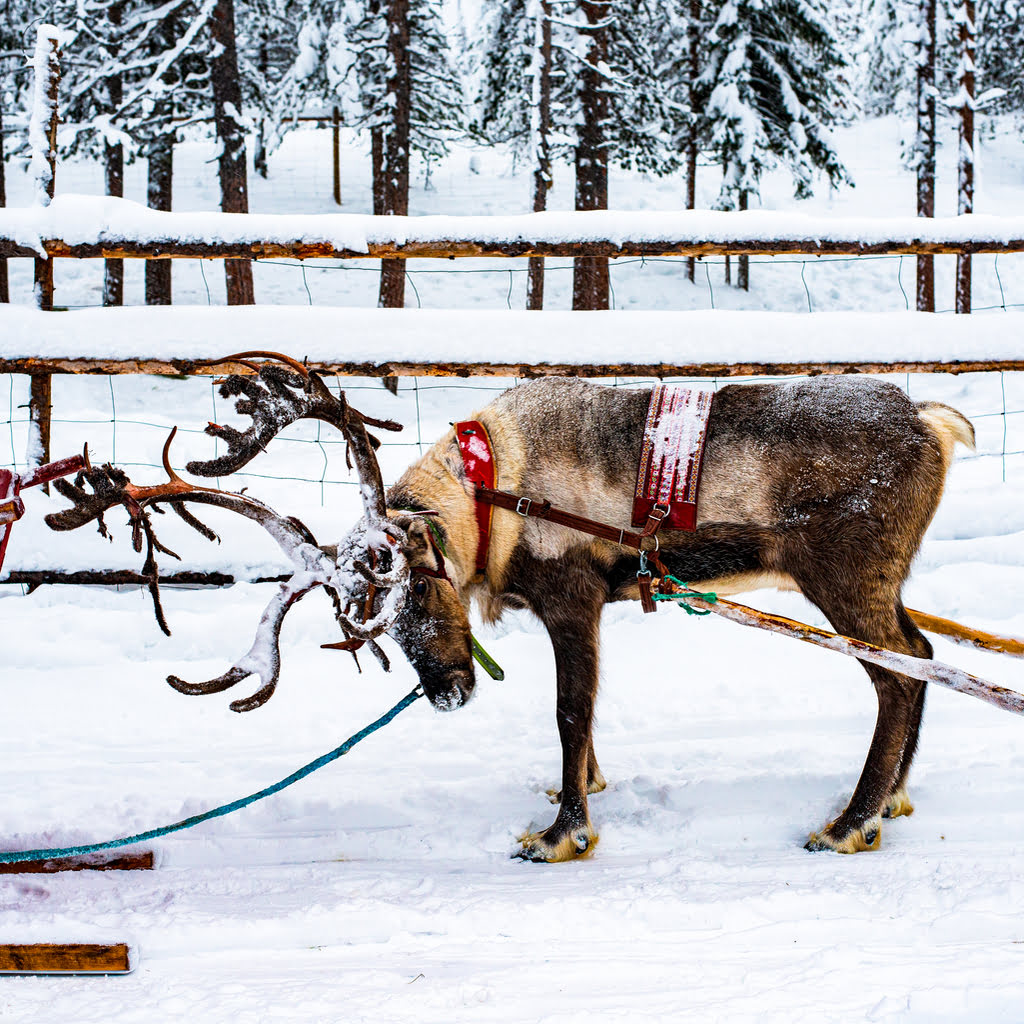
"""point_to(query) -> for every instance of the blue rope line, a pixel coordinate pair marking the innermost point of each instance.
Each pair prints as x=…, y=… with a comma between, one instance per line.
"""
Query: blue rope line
x=15, y=857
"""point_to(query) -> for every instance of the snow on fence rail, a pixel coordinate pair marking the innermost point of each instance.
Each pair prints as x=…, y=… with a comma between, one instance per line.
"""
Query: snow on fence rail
x=506, y=343
x=85, y=227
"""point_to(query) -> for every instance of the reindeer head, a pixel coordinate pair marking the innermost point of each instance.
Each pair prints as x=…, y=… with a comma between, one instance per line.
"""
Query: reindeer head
x=388, y=574
x=431, y=626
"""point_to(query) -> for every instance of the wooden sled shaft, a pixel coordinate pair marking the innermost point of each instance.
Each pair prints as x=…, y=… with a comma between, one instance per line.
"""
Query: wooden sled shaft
x=905, y=664
x=961, y=634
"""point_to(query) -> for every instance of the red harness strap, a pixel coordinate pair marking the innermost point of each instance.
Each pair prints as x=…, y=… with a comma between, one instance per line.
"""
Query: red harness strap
x=671, y=459
x=12, y=508
x=478, y=458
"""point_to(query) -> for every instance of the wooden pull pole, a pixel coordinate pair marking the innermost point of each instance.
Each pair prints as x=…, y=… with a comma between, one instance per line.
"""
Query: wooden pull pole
x=917, y=668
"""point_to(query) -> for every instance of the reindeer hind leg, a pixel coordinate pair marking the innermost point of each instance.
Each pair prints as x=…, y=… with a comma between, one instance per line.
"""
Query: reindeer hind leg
x=899, y=803
x=859, y=610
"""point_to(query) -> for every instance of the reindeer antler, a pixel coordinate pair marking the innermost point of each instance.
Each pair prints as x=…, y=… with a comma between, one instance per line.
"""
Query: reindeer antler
x=276, y=396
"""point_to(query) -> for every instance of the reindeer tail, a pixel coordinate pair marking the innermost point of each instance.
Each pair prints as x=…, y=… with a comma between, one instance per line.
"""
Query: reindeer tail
x=948, y=427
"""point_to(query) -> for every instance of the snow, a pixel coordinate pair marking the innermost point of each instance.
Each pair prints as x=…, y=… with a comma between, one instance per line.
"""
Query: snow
x=381, y=888
x=82, y=220
x=507, y=337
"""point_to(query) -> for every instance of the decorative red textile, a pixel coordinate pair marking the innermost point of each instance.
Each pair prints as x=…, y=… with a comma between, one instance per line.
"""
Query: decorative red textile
x=668, y=479
x=478, y=458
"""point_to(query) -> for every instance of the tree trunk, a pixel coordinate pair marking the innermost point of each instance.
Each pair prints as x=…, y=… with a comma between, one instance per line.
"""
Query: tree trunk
x=113, y=159
x=743, y=262
x=395, y=169
x=46, y=169
x=159, y=181
x=542, y=170
x=5, y=293
x=259, y=156
x=590, y=274
x=227, y=114
x=926, y=148
x=40, y=388
x=377, y=169
x=336, y=152
x=693, y=45
x=965, y=175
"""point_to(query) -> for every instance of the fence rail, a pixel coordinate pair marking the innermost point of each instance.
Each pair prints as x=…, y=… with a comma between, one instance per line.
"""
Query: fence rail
x=90, y=227
x=179, y=340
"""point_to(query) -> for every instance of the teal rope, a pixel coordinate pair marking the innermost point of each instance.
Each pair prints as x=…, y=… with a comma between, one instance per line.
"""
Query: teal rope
x=14, y=857
x=682, y=599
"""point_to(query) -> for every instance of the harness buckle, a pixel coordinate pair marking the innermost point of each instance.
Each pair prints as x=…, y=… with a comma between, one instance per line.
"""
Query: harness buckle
x=659, y=511
x=523, y=507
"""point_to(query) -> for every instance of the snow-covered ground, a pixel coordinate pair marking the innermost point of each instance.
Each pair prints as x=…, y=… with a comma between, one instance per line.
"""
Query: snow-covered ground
x=381, y=889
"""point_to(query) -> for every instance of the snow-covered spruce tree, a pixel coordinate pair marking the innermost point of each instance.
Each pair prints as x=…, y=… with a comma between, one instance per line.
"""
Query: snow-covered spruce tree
x=1000, y=50
x=94, y=77
x=409, y=97
x=774, y=85
x=680, y=51
x=609, y=99
x=387, y=65
x=522, y=55
x=615, y=96
x=14, y=81
x=884, y=53
x=921, y=156
x=230, y=124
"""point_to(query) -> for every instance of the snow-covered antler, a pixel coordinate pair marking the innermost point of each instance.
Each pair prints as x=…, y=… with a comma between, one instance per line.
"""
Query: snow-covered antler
x=280, y=392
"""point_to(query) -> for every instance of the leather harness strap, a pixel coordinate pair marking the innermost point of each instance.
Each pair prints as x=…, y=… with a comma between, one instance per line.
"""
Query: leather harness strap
x=528, y=508
x=478, y=458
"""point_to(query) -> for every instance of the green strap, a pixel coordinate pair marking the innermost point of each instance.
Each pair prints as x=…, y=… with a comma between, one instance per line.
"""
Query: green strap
x=682, y=599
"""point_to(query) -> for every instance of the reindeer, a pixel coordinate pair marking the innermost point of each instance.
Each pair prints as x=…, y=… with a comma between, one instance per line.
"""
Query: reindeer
x=822, y=486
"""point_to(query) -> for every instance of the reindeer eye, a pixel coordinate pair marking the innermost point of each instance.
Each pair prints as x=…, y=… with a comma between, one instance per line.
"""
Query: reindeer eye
x=419, y=588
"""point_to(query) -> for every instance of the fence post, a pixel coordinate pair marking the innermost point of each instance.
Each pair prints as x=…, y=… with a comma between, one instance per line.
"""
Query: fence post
x=336, y=146
x=43, y=141
x=965, y=174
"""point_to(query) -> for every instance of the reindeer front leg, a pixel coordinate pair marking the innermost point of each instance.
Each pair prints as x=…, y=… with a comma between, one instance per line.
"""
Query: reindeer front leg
x=573, y=623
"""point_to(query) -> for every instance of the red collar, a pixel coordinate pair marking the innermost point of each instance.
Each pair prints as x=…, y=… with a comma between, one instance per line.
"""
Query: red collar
x=478, y=458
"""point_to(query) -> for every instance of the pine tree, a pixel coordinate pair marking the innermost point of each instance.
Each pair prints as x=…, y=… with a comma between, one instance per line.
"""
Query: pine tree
x=609, y=101
x=885, y=55
x=1000, y=46
x=409, y=97
x=519, y=63
x=774, y=86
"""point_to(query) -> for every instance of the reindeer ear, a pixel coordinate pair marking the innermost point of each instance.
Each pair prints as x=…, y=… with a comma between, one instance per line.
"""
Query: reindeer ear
x=417, y=538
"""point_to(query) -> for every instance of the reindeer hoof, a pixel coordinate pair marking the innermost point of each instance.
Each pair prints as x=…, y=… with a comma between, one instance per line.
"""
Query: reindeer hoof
x=898, y=804
x=868, y=837
x=536, y=846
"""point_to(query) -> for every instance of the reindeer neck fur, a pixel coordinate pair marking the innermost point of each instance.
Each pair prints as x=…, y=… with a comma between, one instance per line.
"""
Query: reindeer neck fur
x=438, y=481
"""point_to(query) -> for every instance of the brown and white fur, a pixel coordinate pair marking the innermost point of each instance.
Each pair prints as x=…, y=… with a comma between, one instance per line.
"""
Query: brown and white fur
x=823, y=486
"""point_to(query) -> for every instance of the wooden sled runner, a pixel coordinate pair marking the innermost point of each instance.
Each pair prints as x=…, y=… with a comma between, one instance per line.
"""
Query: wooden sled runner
x=66, y=958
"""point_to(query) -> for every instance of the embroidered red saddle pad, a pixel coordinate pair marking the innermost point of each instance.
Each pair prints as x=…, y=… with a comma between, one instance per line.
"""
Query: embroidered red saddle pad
x=668, y=480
